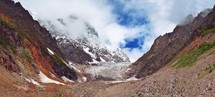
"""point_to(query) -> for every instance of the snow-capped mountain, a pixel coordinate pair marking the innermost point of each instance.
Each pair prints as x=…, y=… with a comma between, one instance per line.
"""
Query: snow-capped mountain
x=80, y=43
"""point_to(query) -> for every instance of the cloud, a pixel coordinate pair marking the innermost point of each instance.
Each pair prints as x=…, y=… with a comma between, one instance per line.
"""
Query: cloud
x=119, y=20
x=163, y=16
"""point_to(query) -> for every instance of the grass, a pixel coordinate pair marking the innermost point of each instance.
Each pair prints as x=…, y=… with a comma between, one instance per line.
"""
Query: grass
x=211, y=30
x=5, y=22
x=206, y=31
x=189, y=58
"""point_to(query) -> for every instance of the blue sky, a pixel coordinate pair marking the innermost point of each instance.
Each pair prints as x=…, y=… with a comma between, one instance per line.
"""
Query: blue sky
x=131, y=25
x=126, y=18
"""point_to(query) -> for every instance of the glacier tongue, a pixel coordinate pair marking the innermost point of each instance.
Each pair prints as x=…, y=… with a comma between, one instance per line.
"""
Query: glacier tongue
x=108, y=71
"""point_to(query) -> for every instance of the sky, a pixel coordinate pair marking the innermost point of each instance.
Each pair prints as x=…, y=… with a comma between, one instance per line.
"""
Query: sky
x=131, y=25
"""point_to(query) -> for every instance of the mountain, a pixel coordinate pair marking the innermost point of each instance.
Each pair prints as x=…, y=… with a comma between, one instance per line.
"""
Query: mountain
x=34, y=62
x=168, y=46
x=29, y=56
x=80, y=43
x=179, y=64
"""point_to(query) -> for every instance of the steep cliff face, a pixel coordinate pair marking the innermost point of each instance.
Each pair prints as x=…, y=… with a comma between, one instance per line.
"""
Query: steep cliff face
x=27, y=50
x=166, y=47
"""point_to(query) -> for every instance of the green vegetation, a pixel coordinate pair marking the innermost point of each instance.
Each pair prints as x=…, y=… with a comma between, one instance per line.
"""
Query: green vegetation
x=26, y=55
x=189, y=58
x=211, y=30
x=210, y=69
x=5, y=22
x=205, y=31
x=6, y=44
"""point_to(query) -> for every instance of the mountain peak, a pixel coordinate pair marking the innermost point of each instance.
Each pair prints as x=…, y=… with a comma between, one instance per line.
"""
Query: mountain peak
x=86, y=42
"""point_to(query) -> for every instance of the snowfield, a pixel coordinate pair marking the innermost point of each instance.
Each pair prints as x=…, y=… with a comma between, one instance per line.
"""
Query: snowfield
x=45, y=79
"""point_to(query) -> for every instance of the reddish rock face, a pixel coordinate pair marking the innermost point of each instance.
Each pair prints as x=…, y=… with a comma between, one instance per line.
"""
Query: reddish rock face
x=24, y=43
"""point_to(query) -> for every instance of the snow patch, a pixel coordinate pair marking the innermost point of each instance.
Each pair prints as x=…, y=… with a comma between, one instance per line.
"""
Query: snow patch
x=50, y=51
x=66, y=79
x=113, y=82
x=102, y=60
x=131, y=79
x=72, y=66
x=32, y=81
x=53, y=75
x=84, y=79
x=88, y=52
x=45, y=79
x=94, y=62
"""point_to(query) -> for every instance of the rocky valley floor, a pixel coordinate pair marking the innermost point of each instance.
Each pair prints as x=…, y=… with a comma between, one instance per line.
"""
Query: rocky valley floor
x=194, y=81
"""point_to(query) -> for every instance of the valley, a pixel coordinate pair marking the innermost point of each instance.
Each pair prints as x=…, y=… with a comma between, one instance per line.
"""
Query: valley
x=41, y=58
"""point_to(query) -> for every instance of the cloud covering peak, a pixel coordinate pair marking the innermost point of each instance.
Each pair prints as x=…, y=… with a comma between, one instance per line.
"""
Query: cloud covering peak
x=128, y=24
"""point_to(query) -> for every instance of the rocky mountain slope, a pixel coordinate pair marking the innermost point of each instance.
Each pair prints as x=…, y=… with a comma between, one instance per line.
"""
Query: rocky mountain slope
x=167, y=47
x=29, y=56
x=80, y=43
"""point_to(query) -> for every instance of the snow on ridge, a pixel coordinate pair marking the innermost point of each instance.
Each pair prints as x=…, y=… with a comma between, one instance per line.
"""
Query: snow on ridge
x=94, y=62
x=102, y=60
x=88, y=52
x=45, y=79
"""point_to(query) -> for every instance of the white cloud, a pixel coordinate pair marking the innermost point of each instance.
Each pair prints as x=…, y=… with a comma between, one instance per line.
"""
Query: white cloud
x=163, y=16
x=133, y=54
